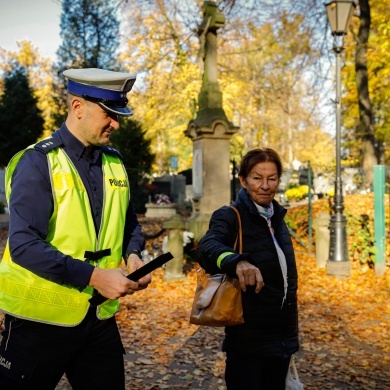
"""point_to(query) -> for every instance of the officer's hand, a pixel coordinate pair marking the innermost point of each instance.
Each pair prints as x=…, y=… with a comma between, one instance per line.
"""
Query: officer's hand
x=133, y=263
x=112, y=283
x=249, y=275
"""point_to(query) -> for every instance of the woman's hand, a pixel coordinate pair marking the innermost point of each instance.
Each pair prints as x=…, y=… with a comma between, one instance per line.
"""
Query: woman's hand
x=249, y=275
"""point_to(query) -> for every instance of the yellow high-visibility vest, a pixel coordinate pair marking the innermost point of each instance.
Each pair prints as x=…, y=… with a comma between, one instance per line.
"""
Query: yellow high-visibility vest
x=71, y=231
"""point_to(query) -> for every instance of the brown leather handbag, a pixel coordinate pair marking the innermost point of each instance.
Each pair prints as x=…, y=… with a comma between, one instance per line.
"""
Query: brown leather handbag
x=217, y=300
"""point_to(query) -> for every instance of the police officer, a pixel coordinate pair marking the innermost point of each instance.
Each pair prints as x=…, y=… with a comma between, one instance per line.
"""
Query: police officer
x=71, y=223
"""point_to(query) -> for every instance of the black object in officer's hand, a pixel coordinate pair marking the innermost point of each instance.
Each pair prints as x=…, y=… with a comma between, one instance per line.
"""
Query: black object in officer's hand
x=137, y=275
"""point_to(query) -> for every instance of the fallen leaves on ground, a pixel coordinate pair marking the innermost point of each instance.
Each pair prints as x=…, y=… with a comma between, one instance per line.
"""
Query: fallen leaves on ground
x=344, y=332
x=344, y=328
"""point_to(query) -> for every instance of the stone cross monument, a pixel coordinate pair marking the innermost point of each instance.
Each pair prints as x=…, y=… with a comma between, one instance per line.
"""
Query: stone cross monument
x=210, y=131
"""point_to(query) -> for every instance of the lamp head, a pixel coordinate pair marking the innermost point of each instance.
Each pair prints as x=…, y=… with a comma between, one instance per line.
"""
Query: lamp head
x=339, y=13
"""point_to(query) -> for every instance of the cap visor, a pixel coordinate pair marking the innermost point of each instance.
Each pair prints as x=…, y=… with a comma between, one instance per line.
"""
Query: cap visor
x=121, y=111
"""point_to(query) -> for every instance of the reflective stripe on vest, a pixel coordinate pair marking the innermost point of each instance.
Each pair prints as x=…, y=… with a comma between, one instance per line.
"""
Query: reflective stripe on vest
x=26, y=295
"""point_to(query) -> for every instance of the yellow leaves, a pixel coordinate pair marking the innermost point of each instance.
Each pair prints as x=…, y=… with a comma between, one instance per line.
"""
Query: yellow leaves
x=170, y=85
x=261, y=72
x=342, y=324
x=343, y=330
x=40, y=79
x=378, y=59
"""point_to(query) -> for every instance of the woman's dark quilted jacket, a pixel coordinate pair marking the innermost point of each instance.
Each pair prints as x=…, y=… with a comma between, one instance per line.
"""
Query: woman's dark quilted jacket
x=270, y=329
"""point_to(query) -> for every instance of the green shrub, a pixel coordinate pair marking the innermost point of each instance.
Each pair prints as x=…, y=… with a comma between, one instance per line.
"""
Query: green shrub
x=360, y=227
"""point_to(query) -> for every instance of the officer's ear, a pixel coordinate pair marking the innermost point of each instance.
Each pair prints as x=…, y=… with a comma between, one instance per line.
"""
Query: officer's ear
x=76, y=105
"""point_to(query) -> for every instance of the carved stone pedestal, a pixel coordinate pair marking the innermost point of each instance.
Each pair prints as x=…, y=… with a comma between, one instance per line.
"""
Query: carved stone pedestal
x=154, y=210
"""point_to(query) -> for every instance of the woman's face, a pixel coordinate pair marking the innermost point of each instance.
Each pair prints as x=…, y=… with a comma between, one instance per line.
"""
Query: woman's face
x=262, y=182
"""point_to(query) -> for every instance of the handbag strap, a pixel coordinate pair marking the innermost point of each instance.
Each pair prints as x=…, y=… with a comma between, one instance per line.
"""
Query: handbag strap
x=238, y=242
x=294, y=368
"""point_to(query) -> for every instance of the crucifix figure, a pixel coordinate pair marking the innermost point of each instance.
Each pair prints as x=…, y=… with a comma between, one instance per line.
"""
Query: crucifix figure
x=207, y=31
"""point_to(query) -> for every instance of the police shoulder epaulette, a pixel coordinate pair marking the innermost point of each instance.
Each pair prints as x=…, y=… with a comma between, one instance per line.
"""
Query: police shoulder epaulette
x=111, y=150
x=48, y=144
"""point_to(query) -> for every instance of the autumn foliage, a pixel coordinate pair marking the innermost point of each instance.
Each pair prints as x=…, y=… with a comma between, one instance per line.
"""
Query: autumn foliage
x=344, y=333
x=344, y=325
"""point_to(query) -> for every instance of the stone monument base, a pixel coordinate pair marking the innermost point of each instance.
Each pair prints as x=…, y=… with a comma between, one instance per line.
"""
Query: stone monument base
x=154, y=210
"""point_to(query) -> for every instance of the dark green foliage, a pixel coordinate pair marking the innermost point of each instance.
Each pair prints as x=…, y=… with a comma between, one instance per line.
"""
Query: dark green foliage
x=90, y=39
x=130, y=141
x=21, y=120
x=362, y=246
x=90, y=34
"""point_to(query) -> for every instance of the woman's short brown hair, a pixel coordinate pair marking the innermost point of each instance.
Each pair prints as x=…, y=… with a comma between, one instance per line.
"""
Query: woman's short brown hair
x=259, y=155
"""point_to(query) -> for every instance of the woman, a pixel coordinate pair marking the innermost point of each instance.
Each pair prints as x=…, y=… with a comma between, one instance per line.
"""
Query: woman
x=259, y=351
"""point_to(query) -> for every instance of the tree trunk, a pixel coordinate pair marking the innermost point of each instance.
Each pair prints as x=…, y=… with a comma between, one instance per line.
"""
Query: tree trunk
x=370, y=151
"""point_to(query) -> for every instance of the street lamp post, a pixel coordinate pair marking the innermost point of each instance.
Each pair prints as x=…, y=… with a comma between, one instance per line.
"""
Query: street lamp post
x=339, y=13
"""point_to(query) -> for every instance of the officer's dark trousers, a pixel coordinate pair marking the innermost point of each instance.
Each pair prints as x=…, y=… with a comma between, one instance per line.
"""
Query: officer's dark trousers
x=255, y=373
x=35, y=356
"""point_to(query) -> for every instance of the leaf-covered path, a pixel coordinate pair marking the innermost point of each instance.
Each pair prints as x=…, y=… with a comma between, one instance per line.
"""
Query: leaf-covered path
x=344, y=332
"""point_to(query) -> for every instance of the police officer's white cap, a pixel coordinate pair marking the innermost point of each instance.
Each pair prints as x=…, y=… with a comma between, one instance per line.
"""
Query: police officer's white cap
x=107, y=88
